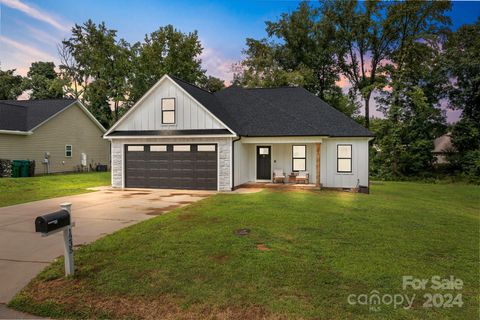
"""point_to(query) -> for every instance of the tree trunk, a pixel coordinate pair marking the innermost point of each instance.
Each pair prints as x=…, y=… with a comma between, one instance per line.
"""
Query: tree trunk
x=367, y=110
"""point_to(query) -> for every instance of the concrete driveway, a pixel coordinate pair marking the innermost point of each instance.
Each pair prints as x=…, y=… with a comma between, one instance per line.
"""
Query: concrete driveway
x=23, y=253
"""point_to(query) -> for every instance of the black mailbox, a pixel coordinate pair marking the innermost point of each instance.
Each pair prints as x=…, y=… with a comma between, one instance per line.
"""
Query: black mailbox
x=52, y=221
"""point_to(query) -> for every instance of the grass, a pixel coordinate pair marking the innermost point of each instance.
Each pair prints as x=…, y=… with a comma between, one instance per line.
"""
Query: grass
x=21, y=190
x=323, y=247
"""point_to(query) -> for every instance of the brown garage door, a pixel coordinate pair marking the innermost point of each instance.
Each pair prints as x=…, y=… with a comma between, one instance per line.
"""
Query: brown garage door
x=179, y=166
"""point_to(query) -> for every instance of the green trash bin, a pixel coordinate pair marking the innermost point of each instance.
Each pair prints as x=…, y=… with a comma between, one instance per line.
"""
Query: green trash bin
x=25, y=169
x=16, y=165
x=20, y=168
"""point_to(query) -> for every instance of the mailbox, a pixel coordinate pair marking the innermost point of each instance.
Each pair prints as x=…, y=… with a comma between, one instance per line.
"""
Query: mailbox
x=52, y=221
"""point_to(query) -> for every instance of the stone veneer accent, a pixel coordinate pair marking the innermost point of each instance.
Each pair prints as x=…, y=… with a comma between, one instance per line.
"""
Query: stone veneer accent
x=224, y=157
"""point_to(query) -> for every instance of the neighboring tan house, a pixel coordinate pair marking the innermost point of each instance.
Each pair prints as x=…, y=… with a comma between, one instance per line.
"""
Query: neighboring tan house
x=180, y=136
x=441, y=147
x=60, y=135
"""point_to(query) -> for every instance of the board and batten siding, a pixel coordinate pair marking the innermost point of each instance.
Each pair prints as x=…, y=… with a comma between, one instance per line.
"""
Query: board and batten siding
x=329, y=176
x=70, y=127
x=188, y=113
x=281, y=158
x=245, y=161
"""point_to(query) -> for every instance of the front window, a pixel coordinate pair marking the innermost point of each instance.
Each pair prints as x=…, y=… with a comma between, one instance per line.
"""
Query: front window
x=168, y=111
x=344, y=158
x=68, y=151
x=299, y=158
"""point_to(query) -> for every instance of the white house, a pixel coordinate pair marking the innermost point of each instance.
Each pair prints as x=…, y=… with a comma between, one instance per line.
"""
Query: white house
x=183, y=137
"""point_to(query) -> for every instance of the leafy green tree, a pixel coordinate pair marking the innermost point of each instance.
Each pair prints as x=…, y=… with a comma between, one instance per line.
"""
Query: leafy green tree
x=10, y=85
x=364, y=38
x=43, y=81
x=165, y=51
x=414, y=84
x=299, y=51
x=212, y=84
x=101, y=59
x=462, y=53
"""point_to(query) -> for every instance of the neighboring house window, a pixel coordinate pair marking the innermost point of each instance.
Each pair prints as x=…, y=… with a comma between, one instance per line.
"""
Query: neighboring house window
x=299, y=158
x=168, y=110
x=68, y=151
x=344, y=158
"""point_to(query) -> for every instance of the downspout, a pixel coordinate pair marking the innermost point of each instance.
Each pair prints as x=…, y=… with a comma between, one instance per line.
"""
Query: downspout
x=233, y=161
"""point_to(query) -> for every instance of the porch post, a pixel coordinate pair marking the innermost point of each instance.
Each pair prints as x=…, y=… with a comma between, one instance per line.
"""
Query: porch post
x=317, y=178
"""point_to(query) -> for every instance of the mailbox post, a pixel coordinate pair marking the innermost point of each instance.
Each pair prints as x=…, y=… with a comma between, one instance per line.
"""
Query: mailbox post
x=55, y=222
x=68, y=242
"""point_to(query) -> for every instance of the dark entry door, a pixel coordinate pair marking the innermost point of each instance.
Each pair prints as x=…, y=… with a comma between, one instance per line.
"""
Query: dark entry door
x=263, y=162
x=171, y=166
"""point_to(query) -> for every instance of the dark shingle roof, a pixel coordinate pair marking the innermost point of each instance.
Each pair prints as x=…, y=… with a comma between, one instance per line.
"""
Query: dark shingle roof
x=287, y=111
x=24, y=115
x=209, y=101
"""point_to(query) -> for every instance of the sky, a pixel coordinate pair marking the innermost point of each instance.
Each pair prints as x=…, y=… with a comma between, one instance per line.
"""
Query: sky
x=30, y=30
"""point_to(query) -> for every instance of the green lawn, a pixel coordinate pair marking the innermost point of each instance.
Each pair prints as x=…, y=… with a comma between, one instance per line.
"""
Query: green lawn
x=20, y=190
x=324, y=246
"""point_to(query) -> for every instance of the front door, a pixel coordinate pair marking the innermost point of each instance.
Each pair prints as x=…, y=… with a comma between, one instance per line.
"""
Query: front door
x=263, y=163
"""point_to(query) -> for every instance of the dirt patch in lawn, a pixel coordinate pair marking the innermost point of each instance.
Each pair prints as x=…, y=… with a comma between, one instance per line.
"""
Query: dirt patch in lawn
x=262, y=247
x=72, y=296
x=221, y=258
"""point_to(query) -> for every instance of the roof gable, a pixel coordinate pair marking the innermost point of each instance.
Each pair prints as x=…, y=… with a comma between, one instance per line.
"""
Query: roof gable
x=191, y=111
x=27, y=115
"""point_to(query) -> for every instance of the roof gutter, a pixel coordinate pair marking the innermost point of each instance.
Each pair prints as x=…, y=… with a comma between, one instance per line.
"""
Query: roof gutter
x=19, y=133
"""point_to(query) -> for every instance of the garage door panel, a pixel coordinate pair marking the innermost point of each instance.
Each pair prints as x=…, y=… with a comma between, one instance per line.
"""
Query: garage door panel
x=161, y=167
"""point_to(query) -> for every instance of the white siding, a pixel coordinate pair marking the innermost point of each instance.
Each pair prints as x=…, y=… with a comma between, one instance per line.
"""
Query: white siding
x=188, y=113
x=328, y=167
x=246, y=158
x=243, y=165
x=245, y=161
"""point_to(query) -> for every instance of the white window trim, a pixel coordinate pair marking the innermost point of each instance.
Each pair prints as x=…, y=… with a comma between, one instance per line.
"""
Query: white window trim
x=304, y=158
x=174, y=111
x=351, y=158
x=71, y=151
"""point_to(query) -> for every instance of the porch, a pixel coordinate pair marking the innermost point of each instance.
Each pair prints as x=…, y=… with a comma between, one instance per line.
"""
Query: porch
x=256, y=159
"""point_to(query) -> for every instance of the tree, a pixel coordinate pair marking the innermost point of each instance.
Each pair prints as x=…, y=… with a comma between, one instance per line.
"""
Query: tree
x=93, y=55
x=10, y=85
x=212, y=84
x=43, y=81
x=414, y=84
x=364, y=37
x=299, y=51
x=462, y=53
x=165, y=51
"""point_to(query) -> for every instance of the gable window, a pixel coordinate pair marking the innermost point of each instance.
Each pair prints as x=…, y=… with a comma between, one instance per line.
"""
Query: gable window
x=68, y=151
x=344, y=158
x=299, y=158
x=168, y=110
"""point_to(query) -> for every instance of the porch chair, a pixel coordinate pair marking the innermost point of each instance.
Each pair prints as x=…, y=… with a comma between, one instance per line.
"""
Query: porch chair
x=278, y=175
x=302, y=176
